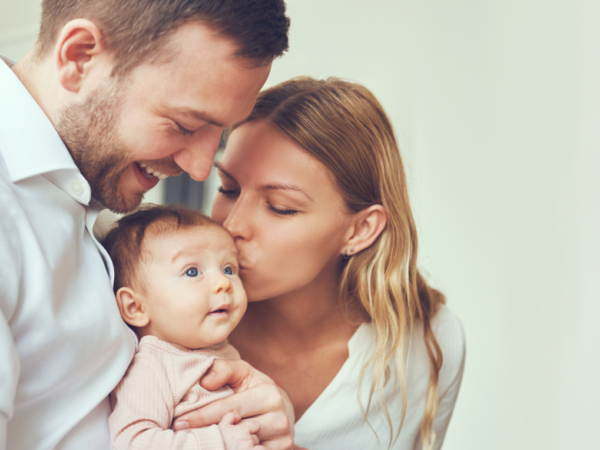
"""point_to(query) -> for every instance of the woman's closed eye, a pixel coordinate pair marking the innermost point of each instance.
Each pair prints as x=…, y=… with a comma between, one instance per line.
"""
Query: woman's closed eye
x=282, y=212
x=192, y=272
x=229, y=193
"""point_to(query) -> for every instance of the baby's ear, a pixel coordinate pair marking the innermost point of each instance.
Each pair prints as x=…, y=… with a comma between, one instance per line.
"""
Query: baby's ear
x=131, y=307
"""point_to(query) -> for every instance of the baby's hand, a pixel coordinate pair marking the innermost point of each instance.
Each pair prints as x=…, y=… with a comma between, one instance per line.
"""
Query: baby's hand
x=239, y=436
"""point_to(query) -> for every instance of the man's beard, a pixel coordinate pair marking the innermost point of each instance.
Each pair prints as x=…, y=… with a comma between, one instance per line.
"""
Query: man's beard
x=90, y=132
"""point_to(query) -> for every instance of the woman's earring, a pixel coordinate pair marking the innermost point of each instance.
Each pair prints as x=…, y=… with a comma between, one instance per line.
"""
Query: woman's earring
x=346, y=256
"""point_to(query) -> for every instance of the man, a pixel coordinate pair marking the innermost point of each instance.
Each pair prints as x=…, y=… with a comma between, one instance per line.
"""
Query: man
x=115, y=96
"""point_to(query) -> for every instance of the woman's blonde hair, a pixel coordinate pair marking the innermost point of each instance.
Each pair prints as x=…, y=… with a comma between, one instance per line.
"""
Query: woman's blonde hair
x=344, y=127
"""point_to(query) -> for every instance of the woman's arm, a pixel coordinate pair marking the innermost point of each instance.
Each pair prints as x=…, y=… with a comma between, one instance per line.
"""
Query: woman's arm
x=255, y=395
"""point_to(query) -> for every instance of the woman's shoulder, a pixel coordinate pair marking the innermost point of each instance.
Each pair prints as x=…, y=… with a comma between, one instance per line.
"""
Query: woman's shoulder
x=446, y=326
x=450, y=334
x=448, y=329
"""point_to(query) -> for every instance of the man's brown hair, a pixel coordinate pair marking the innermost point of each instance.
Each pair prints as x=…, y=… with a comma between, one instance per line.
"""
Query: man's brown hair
x=125, y=240
x=136, y=29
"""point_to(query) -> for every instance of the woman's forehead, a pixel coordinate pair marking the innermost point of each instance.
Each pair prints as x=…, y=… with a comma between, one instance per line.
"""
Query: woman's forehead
x=259, y=154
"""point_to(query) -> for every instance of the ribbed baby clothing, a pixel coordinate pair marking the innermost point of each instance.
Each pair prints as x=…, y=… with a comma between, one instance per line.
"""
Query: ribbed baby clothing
x=161, y=384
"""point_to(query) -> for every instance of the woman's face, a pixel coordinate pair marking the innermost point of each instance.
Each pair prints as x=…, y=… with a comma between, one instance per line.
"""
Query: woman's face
x=281, y=206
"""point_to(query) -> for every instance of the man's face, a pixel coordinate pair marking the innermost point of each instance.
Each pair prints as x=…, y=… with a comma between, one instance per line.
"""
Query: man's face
x=161, y=119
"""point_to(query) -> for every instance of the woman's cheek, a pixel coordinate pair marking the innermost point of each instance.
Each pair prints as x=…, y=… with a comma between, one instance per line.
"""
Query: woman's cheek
x=285, y=267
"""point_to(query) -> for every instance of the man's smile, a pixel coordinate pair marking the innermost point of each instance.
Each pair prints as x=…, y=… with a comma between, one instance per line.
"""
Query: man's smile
x=148, y=172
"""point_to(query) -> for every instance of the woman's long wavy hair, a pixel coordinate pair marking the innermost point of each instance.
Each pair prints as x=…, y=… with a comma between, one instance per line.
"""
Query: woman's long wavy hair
x=343, y=126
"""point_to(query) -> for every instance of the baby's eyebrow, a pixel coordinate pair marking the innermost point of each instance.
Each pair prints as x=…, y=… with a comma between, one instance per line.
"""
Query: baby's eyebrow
x=181, y=254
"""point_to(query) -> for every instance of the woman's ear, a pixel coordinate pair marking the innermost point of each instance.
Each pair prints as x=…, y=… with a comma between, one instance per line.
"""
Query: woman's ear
x=78, y=46
x=131, y=308
x=367, y=225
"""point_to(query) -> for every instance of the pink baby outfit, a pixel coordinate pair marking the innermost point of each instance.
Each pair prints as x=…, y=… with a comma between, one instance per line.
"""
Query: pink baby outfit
x=161, y=384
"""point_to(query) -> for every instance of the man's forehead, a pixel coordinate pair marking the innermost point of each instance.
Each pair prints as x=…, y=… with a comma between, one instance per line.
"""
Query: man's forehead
x=202, y=77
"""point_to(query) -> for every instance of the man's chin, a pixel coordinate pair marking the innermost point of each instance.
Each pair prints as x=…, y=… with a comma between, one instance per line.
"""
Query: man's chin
x=120, y=203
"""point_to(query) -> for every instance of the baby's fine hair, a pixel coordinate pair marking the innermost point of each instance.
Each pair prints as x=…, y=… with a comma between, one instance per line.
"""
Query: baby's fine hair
x=125, y=239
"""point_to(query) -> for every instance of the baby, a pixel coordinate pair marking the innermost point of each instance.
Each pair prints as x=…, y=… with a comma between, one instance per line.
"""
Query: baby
x=177, y=286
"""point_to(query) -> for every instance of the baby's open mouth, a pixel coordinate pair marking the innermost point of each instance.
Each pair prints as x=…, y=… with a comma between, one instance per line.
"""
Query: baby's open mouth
x=221, y=311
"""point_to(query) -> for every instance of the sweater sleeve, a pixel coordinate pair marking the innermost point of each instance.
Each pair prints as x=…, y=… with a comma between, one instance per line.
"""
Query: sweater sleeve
x=143, y=406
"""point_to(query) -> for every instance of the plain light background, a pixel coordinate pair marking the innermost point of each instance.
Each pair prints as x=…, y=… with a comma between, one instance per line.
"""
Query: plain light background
x=497, y=109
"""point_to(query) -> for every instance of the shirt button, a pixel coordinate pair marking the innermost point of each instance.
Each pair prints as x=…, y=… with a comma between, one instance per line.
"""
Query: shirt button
x=76, y=188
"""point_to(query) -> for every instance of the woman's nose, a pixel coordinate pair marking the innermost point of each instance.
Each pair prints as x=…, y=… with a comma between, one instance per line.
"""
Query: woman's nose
x=222, y=285
x=238, y=220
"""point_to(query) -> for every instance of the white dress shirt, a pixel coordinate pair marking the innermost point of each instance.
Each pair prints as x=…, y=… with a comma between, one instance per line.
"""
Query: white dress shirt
x=63, y=345
x=335, y=421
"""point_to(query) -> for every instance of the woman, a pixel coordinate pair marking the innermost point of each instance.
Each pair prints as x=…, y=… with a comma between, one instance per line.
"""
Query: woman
x=314, y=194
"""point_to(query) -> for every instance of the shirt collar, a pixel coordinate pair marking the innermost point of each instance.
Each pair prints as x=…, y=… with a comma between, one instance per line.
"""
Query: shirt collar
x=29, y=142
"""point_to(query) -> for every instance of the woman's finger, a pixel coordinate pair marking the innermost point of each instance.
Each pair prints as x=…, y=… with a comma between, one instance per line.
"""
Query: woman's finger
x=238, y=374
x=260, y=399
x=255, y=396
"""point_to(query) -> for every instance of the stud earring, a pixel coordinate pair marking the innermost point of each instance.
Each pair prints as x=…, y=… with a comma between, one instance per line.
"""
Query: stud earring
x=346, y=256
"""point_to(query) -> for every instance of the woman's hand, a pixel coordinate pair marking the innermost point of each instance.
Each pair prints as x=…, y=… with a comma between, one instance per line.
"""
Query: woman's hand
x=255, y=395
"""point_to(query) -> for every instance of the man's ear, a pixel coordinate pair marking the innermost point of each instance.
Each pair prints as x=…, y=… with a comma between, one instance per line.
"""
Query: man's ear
x=78, y=46
x=367, y=225
x=132, y=310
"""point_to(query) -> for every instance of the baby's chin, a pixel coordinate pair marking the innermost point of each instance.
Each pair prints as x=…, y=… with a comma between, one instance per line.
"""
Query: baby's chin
x=200, y=344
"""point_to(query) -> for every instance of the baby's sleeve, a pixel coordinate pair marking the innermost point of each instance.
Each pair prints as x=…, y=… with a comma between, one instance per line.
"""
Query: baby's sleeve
x=143, y=406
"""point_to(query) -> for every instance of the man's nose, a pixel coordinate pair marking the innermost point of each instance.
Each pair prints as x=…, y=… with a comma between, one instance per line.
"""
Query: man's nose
x=198, y=156
x=222, y=285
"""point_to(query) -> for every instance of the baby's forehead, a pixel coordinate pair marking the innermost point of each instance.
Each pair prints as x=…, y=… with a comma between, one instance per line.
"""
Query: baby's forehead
x=206, y=239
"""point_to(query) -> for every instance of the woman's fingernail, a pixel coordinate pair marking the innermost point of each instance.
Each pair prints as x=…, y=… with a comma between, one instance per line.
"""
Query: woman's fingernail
x=181, y=426
x=210, y=375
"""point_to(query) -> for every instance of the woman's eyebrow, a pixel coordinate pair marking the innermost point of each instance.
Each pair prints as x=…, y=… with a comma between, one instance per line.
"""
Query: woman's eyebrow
x=284, y=187
x=266, y=187
x=224, y=171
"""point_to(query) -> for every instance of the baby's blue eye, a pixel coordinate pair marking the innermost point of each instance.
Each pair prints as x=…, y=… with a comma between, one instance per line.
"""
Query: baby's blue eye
x=228, y=271
x=193, y=272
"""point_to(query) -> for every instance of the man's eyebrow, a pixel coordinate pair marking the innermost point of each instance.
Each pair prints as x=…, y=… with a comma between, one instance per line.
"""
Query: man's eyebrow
x=284, y=187
x=199, y=115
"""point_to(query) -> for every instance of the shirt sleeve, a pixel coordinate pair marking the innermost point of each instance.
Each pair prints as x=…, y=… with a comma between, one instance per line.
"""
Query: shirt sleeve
x=143, y=407
x=452, y=339
x=10, y=267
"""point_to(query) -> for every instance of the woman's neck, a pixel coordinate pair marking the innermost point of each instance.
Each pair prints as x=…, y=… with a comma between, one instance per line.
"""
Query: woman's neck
x=302, y=318
x=299, y=339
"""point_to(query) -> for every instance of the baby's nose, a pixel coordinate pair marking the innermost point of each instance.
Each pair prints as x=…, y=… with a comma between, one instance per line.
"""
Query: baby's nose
x=222, y=285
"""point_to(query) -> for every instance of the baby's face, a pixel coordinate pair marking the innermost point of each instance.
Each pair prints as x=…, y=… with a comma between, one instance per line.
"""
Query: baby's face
x=194, y=297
